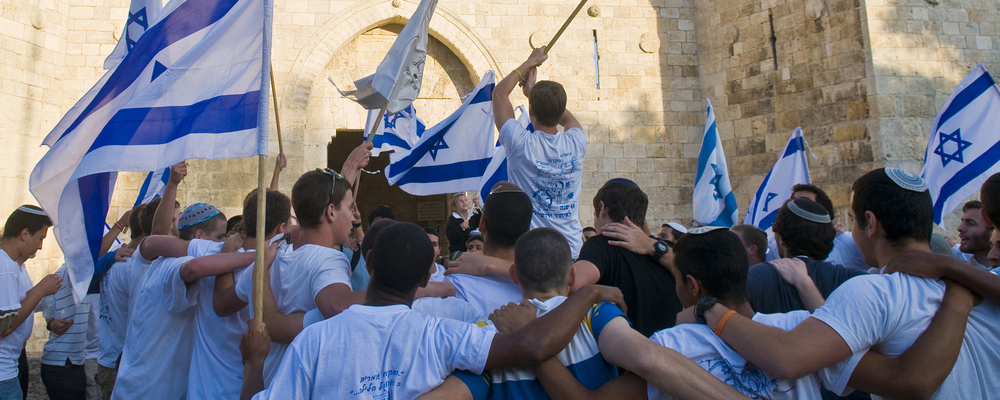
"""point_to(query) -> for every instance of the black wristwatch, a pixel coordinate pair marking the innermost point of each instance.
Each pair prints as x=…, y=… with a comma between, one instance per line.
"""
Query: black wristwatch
x=704, y=304
x=661, y=247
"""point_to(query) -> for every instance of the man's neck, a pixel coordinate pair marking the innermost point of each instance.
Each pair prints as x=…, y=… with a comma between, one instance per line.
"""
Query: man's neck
x=742, y=308
x=884, y=252
x=982, y=257
x=376, y=295
x=498, y=252
x=318, y=236
x=10, y=247
x=251, y=242
x=552, y=130
x=134, y=243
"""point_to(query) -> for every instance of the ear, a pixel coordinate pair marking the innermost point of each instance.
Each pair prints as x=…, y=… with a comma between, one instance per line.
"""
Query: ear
x=871, y=230
x=604, y=211
x=199, y=234
x=989, y=224
x=330, y=214
x=778, y=239
x=427, y=278
x=368, y=262
x=482, y=226
x=513, y=274
x=697, y=291
x=25, y=235
x=572, y=277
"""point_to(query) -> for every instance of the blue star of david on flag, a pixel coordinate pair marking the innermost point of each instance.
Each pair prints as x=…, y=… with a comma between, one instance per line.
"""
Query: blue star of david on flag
x=715, y=182
x=960, y=146
x=439, y=145
x=713, y=201
x=138, y=18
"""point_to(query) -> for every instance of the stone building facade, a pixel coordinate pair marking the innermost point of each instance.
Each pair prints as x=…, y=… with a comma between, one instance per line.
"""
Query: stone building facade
x=863, y=78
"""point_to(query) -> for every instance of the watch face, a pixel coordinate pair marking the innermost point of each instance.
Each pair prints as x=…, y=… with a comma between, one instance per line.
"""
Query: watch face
x=660, y=246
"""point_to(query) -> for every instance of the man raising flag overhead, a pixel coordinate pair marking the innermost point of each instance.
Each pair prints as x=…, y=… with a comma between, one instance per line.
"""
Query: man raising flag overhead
x=964, y=144
x=714, y=202
x=193, y=86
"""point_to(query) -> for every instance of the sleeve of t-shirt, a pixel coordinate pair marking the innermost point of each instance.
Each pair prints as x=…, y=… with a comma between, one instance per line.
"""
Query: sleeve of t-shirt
x=244, y=284
x=10, y=296
x=104, y=263
x=465, y=346
x=511, y=133
x=202, y=247
x=333, y=267
x=581, y=140
x=294, y=378
x=177, y=296
x=600, y=315
x=596, y=252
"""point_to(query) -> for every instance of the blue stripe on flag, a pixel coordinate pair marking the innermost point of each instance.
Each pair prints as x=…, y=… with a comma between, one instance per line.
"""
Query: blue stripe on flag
x=799, y=146
x=391, y=140
x=971, y=171
x=707, y=148
x=143, y=189
x=497, y=177
x=161, y=125
x=188, y=18
x=968, y=95
x=95, y=197
x=445, y=172
x=757, y=197
x=484, y=95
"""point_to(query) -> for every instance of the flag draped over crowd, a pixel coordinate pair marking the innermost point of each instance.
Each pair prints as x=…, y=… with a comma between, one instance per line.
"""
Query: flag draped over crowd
x=193, y=86
x=792, y=168
x=964, y=145
x=714, y=203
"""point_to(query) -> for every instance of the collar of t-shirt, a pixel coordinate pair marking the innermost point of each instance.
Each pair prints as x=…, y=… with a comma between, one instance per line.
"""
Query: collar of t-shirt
x=376, y=310
x=547, y=305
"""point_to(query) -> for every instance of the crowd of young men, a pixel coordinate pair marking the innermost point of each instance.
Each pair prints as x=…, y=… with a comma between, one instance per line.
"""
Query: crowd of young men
x=536, y=306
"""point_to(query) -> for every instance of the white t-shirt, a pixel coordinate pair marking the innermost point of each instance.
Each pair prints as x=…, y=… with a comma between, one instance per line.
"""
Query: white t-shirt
x=387, y=352
x=846, y=253
x=889, y=312
x=14, y=285
x=447, y=307
x=297, y=277
x=160, y=335
x=485, y=293
x=549, y=168
x=216, y=363
x=113, y=319
x=438, y=275
x=698, y=343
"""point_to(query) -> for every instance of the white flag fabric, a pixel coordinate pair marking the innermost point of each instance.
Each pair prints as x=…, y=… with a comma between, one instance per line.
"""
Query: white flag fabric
x=496, y=171
x=194, y=86
x=140, y=14
x=964, y=144
x=792, y=168
x=152, y=187
x=397, y=79
x=714, y=202
x=451, y=156
x=397, y=132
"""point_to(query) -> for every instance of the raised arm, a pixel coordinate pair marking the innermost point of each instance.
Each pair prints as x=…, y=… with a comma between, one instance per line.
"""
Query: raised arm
x=567, y=120
x=163, y=218
x=280, y=163
x=936, y=266
x=922, y=368
x=502, y=108
x=113, y=232
x=358, y=159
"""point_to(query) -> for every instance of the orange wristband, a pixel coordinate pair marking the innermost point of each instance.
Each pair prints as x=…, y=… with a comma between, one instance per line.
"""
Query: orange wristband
x=722, y=322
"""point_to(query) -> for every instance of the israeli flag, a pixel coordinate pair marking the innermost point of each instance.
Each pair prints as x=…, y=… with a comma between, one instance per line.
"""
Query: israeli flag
x=396, y=132
x=152, y=187
x=140, y=14
x=193, y=86
x=714, y=201
x=791, y=169
x=964, y=144
x=497, y=170
x=451, y=156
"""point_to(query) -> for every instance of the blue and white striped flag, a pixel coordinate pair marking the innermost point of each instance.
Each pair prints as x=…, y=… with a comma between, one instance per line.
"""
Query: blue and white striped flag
x=964, y=144
x=452, y=155
x=792, y=168
x=497, y=170
x=140, y=14
x=714, y=201
x=152, y=187
x=397, y=132
x=194, y=86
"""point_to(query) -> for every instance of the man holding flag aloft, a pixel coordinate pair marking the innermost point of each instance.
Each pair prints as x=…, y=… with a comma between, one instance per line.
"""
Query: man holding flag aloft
x=546, y=163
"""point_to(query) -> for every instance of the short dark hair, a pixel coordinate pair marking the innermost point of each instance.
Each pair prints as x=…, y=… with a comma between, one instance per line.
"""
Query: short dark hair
x=147, y=214
x=506, y=216
x=401, y=257
x=821, y=196
x=384, y=212
x=623, y=199
x=972, y=205
x=134, y=226
x=718, y=260
x=373, y=232
x=313, y=192
x=474, y=238
x=753, y=235
x=590, y=229
x=278, y=210
x=235, y=223
x=430, y=230
x=209, y=224
x=21, y=220
x=548, y=102
x=542, y=259
x=801, y=236
x=904, y=214
x=990, y=196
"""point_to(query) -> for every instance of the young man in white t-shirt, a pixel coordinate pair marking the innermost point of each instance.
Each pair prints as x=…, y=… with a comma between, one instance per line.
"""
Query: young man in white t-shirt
x=884, y=311
x=23, y=234
x=547, y=164
x=382, y=349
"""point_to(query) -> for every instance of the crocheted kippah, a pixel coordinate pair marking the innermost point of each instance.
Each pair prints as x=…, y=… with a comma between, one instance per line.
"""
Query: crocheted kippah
x=906, y=179
x=196, y=214
x=704, y=229
x=31, y=210
x=809, y=212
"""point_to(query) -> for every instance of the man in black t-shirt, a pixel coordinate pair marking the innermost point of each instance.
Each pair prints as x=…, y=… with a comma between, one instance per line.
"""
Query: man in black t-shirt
x=649, y=288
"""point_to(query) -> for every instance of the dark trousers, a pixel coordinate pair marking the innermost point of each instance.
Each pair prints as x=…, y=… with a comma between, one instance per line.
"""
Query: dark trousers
x=22, y=371
x=65, y=382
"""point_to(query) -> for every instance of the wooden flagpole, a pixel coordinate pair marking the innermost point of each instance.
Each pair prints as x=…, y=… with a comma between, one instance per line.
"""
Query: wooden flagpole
x=564, y=26
x=277, y=120
x=258, y=271
x=371, y=133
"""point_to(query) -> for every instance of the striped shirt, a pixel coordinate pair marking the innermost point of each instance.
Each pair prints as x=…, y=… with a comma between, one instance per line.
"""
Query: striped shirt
x=71, y=345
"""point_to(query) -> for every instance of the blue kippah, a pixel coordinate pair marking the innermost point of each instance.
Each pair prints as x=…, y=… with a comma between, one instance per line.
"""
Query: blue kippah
x=621, y=180
x=196, y=214
x=906, y=179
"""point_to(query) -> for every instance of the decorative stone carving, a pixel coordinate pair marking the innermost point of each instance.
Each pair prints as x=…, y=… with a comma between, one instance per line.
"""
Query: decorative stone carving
x=815, y=8
x=397, y=3
x=539, y=39
x=731, y=34
x=594, y=11
x=649, y=43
